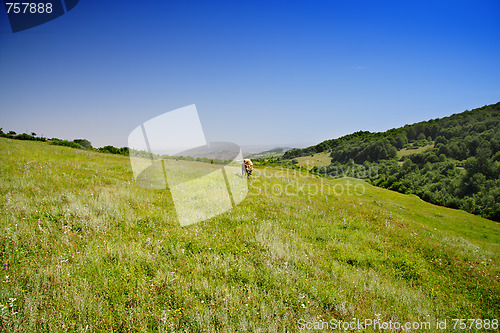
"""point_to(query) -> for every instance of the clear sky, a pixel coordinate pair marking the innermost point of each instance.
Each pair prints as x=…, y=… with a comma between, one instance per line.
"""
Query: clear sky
x=259, y=72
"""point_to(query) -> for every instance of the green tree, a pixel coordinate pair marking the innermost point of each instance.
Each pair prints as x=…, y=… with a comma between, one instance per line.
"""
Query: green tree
x=84, y=143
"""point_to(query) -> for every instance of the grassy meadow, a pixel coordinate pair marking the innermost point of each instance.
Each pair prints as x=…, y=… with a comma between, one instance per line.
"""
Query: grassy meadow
x=84, y=249
x=406, y=151
x=318, y=159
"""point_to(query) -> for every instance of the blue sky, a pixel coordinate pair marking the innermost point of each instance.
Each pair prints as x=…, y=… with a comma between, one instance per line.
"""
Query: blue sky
x=259, y=72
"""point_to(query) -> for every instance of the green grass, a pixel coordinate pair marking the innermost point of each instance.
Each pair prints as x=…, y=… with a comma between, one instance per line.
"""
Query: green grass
x=319, y=159
x=406, y=152
x=88, y=250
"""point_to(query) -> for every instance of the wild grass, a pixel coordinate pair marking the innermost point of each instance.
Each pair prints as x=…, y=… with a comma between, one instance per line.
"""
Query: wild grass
x=406, y=151
x=83, y=248
x=318, y=159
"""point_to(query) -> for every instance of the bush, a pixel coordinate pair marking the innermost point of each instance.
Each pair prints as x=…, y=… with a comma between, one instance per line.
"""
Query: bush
x=65, y=143
x=109, y=149
x=84, y=143
x=114, y=150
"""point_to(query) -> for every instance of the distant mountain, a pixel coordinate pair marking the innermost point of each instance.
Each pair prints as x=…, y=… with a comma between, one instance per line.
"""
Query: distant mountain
x=214, y=150
x=453, y=161
x=275, y=152
x=228, y=151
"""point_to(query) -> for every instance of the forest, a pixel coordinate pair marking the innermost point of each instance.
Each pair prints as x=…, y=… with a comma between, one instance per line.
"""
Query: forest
x=77, y=143
x=452, y=161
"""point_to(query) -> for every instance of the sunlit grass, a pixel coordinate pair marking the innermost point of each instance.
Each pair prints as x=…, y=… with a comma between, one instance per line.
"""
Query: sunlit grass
x=83, y=248
x=318, y=159
x=406, y=152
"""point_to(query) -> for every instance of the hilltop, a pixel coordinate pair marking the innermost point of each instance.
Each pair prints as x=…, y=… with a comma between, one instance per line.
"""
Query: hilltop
x=84, y=248
x=452, y=161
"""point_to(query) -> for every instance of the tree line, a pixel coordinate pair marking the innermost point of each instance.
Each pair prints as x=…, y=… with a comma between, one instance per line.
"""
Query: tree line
x=77, y=143
x=86, y=145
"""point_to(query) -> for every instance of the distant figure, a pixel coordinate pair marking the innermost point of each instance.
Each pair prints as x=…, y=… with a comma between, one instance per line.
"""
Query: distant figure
x=247, y=168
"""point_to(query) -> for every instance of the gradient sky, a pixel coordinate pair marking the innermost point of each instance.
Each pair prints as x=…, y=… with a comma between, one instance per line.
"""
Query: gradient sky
x=259, y=72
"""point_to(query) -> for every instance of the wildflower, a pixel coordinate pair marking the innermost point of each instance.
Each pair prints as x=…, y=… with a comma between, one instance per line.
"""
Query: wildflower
x=5, y=265
x=11, y=302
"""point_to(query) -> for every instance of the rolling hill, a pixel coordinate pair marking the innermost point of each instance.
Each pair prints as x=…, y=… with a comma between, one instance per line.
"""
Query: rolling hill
x=453, y=161
x=83, y=248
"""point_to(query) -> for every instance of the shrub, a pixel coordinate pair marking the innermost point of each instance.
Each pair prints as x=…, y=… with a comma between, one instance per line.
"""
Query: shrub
x=84, y=143
x=65, y=143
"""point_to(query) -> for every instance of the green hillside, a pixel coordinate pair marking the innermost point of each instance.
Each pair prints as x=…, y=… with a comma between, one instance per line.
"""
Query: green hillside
x=83, y=248
x=452, y=161
x=316, y=160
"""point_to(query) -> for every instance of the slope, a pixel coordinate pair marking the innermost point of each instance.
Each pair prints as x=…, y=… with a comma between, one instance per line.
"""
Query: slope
x=452, y=161
x=84, y=248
